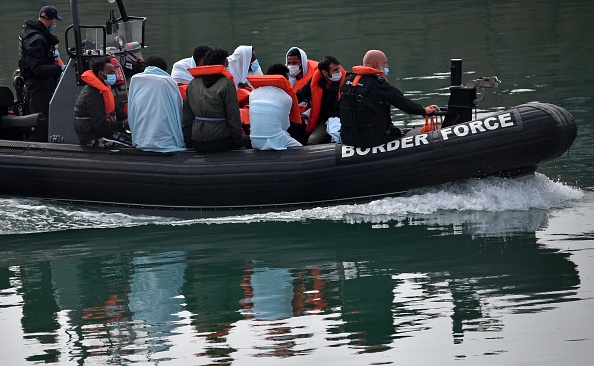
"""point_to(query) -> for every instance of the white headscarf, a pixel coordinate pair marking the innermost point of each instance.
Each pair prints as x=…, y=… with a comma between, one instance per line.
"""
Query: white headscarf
x=239, y=64
x=292, y=79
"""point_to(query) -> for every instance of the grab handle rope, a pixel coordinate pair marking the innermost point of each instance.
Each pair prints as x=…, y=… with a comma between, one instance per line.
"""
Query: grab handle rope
x=431, y=121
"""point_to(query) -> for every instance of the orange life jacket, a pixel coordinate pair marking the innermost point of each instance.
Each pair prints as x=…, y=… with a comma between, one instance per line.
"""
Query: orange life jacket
x=316, y=98
x=280, y=82
x=183, y=90
x=90, y=78
x=365, y=70
x=199, y=71
x=312, y=67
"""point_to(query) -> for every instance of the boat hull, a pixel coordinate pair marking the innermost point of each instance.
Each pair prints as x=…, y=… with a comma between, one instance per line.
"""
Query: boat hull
x=509, y=143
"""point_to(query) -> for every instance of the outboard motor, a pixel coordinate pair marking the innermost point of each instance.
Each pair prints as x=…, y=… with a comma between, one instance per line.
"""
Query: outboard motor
x=32, y=127
x=464, y=98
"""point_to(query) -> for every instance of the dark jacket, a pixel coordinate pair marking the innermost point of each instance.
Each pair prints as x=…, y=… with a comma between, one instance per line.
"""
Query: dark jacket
x=36, y=46
x=329, y=107
x=213, y=98
x=90, y=117
x=365, y=111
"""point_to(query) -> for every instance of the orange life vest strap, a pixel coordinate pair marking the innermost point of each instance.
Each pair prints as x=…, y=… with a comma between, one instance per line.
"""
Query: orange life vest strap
x=90, y=78
x=280, y=82
x=431, y=122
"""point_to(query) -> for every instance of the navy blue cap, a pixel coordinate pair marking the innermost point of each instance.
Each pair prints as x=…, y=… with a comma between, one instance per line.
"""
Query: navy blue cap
x=49, y=12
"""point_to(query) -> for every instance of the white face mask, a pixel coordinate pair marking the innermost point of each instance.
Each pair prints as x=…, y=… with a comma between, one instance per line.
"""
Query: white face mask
x=335, y=77
x=294, y=70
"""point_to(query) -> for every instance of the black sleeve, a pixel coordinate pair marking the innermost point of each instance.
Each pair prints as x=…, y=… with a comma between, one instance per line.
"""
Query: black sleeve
x=304, y=93
x=37, y=61
x=395, y=97
x=121, y=115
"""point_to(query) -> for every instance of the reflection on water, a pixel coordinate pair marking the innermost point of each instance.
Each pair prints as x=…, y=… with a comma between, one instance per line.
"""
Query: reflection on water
x=275, y=296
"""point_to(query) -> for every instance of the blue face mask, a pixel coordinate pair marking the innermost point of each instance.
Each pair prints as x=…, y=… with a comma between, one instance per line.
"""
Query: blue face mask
x=52, y=27
x=254, y=65
x=384, y=70
x=111, y=79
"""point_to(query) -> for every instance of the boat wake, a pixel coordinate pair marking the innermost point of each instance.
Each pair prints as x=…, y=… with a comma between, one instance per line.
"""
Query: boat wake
x=489, y=206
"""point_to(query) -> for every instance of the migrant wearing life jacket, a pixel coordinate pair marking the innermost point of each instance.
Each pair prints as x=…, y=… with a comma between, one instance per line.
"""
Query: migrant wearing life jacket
x=312, y=67
x=280, y=82
x=90, y=78
x=316, y=98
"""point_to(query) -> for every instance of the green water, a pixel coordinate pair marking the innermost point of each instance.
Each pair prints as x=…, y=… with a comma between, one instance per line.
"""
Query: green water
x=486, y=272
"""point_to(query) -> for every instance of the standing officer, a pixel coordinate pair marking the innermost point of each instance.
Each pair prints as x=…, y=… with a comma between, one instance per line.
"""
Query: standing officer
x=37, y=59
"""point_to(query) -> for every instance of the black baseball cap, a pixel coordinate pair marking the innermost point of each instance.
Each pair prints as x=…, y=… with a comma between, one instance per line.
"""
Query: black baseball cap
x=49, y=12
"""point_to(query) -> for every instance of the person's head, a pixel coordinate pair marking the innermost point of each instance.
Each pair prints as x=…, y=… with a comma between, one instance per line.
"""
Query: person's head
x=278, y=69
x=104, y=70
x=156, y=61
x=216, y=56
x=254, y=64
x=376, y=59
x=330, y=68
x=48, y=15
x=199, y=53
x=294, y=62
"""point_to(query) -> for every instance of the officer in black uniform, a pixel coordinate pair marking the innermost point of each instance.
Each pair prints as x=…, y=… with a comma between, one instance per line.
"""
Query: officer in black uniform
x=37, y=56
x=366, y=97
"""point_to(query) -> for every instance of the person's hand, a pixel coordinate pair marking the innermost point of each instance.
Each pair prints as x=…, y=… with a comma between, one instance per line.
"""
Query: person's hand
x=429, y=110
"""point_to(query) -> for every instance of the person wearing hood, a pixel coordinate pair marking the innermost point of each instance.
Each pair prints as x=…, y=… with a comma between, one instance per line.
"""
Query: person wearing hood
x=98, y=121
x=180, y=73
x=37, y=59
x=243, y=62
x=365, y=104
x=301, y=69
x=155, y=109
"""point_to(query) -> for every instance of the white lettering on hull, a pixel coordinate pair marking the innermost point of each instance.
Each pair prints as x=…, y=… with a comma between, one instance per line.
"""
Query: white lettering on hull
x=493, y=123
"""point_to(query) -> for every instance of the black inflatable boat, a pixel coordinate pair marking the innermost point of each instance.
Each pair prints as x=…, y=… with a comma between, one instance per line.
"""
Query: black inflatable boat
x=510, y=143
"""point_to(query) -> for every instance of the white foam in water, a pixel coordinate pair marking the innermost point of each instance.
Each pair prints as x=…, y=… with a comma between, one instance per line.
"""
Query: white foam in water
x=489, y=195
x=476, y=201
x=25, y=216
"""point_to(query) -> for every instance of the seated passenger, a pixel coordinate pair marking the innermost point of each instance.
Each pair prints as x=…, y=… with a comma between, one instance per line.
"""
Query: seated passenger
x=155, y=109
x=324, y=92
x=243, y=62
x=300, y=68
x=272, y=104
x=180, y=72
x=98, y=121
x=365, y=105
x=211, y=120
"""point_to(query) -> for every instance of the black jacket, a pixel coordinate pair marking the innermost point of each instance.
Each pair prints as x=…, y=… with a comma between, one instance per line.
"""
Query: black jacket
x=93, y=124
x=36, y=46
x=365, y=111
x=329, y=107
